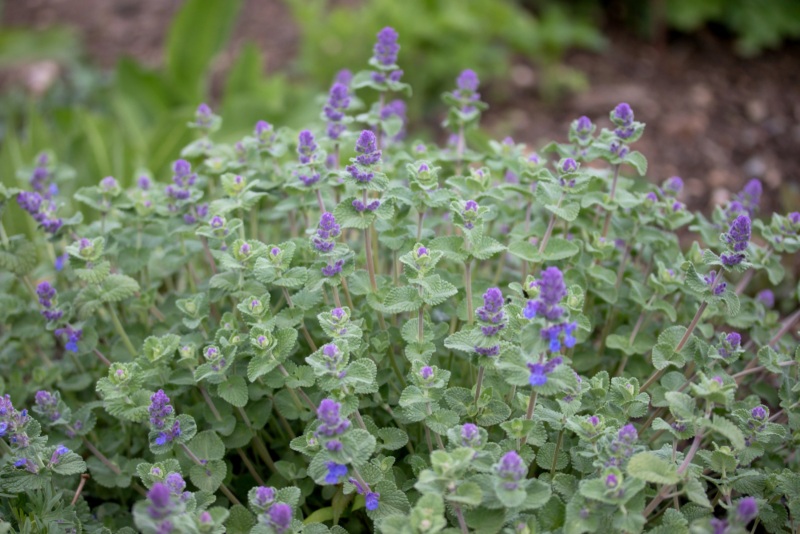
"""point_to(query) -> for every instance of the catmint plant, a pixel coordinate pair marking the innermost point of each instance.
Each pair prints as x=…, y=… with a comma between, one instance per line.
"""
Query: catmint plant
x=426, y=337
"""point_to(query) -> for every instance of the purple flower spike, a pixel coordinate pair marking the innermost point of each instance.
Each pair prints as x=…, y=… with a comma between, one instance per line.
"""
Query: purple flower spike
x=583, y=128
x=750, y=196
x=739, y=234
x=367, y=147
x=673, y=185
x=759, y=413
x=160, y=409
x=332, y=423
x=511, y=469
x=280, y=517
x=766, y=297
x=470, y=435
x=306, y=146
x=327, y=232
x=491, y=314
x=747, y=510
x=335, y=472
x=265, y=496
x=372, y=500
x=386, y=49
x=622, y=115
x=569, y=165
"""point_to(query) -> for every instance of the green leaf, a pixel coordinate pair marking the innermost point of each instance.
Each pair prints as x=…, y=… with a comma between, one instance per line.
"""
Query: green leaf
x=651, y=468
x=70, y=464
x=197, y=34
x=392, y=438
x=468, y=493
x=637, y=161
x=207, y=445
x=118, y=287
x=239, y=521
x=234, y=391
x=558, y=249
x=208, y=477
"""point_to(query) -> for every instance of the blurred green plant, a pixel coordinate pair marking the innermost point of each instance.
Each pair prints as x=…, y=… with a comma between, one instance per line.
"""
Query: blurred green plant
x=440, y=37
x=758, y=25
x=137, y=116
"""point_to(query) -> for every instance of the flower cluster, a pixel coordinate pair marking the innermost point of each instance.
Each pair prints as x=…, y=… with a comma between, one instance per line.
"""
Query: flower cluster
x=492, y=319
x=552, y=291
x=42, y=210
x=306, y=152
x=47, y=299
x=539, y=370
x=324, y=239
x=730, y=343
x=384, y=56
x=331, y=422
x=511, y=470
x=13, y=423
x=162, y=418
x=47, y=404
x=368, y=156
x=622, y=446
x=737, y=240
x=334, y=110
x=467, y=90
x=72, y=335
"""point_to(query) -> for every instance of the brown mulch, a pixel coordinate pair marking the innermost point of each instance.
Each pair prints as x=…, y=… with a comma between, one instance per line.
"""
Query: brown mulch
x=713, y=118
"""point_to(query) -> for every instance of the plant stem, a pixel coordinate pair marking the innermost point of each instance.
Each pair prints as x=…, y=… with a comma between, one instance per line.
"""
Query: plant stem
x=550, y=226
x=320, y=202
x=121, y=331
x=478, y=382
x=555, y=453
x=529, y=413
x=696, y=319
x=102, y=358
x=84, y=478
x=612, y=194
x=460, y=516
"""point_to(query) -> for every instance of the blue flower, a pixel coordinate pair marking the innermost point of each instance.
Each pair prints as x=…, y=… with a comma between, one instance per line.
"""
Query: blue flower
x=335, y=472
x=372, y=500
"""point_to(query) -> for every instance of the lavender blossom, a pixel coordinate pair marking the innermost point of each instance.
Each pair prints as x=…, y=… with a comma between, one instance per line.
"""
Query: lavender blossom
x=386, y=48
x=766, y=297
x=280, y=517
x=372, y=500
x=491, y=314
x=511, y=470
x=333, y=269
x=264, y=496
x=539, y=371
x=160, y=409
x=47, y=296
x=367, y=148
x=715, y=281
x=470, y=436
x=327, y=232
x=467, y=90
x=332, y=422
x=160, y=498
x=306, y=146
x=746, y=510
x=335, y=472
x=750, y=196
x=73, y=337
x=338, y=102
x=552, y=290
x=730, y=343
x=673, y=185
x=47, y=404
